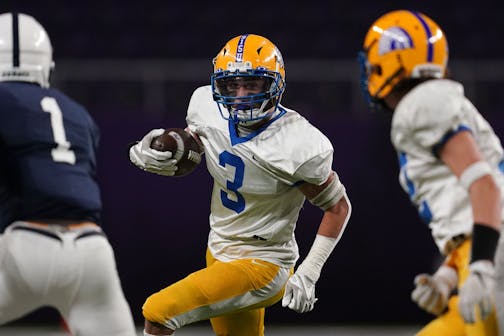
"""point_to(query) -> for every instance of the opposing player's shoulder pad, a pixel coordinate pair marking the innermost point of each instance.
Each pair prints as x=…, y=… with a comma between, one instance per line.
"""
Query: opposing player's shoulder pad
x=8, y=108
x=6, y=98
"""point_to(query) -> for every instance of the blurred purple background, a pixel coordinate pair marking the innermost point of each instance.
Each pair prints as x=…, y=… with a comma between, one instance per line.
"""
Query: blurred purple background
x=135, y=64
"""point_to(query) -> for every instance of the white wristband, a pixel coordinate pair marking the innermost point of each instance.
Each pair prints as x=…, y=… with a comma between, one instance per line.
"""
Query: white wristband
x=321, y=250
x=474, y=172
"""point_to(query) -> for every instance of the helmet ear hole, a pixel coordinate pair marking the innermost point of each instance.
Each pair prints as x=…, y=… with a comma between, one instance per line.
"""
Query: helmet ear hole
x=376, y=69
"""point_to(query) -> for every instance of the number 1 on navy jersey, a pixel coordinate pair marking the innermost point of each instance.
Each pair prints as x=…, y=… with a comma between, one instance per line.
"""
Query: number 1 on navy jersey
x=62, y=152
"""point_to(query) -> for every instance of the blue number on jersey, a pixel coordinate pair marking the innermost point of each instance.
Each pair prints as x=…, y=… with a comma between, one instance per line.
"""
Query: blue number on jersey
x=233, y=186
x=423, y=209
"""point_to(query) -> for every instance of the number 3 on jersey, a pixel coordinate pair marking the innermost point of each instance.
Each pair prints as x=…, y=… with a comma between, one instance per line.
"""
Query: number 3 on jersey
x=237, y=205
x=62, y=152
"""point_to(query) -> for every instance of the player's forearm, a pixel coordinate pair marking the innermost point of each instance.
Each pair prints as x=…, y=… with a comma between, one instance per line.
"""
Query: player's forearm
x=485, y=201
x=335, y=218
x=330, y=231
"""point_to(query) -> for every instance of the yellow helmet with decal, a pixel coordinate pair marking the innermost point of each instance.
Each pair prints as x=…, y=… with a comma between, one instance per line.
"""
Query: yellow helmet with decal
x=249, y=56
x=401, y=44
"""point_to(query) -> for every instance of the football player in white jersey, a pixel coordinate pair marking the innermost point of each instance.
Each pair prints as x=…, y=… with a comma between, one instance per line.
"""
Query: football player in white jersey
x=451, y=165
x=265, y=160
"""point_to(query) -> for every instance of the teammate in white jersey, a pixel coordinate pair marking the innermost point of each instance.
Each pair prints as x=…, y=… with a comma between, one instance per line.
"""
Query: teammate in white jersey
x=265, y=161
x=451, y=166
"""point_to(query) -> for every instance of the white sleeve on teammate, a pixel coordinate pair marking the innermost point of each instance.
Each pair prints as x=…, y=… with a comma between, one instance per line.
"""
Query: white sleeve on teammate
x=431, y=128
x=425, y=117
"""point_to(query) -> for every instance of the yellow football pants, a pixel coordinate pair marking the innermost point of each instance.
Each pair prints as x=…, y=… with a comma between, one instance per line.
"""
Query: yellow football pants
x=233, y=295
x=451, y=322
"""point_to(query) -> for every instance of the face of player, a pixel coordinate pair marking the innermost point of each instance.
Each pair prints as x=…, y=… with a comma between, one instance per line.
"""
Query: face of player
x=243, y=89
x=247, y=98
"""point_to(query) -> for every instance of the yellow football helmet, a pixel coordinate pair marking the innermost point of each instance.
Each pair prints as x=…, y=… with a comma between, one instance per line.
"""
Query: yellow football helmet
x=249, y=58
x=401, y=44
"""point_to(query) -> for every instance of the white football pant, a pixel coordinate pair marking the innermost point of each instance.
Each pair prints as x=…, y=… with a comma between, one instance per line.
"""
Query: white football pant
x=78, y=277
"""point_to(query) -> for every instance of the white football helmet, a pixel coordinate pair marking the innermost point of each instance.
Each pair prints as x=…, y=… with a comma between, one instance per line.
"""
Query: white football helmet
x=25, y=50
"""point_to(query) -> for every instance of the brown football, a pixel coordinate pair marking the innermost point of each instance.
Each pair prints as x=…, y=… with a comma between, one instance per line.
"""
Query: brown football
x=185, y=149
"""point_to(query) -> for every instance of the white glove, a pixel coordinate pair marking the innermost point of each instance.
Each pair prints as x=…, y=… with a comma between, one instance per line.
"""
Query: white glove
x=151, y=160
x=300, y=288
x=477, y=291
x=300, y=292
x=433, y=291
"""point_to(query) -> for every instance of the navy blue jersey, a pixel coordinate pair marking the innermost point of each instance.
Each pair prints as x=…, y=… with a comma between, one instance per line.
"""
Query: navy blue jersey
x=48, y=148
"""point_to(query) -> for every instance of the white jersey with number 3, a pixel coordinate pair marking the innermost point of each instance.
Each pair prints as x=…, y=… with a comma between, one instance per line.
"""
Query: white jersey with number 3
x=423, y=121
x=255, y=202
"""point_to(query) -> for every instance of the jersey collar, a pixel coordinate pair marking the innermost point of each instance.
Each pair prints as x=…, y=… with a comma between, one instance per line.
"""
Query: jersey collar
x=236, y=139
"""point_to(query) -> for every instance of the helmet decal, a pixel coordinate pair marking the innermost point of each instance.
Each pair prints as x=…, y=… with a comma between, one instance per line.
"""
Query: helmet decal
x=394, y=38
x=240, y=48
x=402, y=44
x=15, y=40
x=430, y=47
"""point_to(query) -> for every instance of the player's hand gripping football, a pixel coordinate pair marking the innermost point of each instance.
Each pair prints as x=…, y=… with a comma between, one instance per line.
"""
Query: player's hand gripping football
x=433, y=291
x=151, y=160
x=300, y=291
x=477, y=291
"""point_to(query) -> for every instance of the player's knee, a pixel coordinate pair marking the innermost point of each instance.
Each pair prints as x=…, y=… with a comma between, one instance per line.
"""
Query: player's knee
x=153, y=308
x=157, y=308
